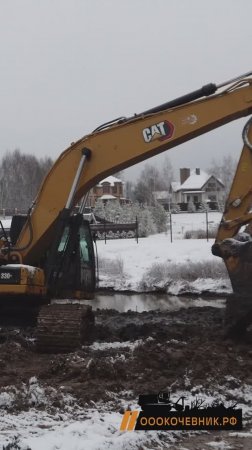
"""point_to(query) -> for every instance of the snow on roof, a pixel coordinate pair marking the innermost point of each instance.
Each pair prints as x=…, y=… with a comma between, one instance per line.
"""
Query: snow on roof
x=194, y=192
x=111, y=180
x=108, y=197
x=218, y=179
x=194, y=181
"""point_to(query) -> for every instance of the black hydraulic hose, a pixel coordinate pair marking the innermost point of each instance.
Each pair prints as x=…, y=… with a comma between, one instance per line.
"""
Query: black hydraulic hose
x=205, y=91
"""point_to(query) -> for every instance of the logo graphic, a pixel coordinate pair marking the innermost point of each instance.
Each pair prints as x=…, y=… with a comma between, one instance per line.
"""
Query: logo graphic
x=160, y=131
x=129, y=420
x=160, y=412
x=191, y=120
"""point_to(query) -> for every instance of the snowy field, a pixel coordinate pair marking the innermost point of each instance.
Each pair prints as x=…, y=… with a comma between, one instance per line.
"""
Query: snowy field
x=183, y=222
x=133, y=260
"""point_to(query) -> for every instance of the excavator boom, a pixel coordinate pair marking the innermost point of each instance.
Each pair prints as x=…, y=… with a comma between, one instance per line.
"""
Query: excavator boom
x=122, y=144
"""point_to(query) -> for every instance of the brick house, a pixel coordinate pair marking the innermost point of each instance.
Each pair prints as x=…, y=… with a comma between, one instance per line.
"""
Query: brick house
x=111, y=188
x=198, y=188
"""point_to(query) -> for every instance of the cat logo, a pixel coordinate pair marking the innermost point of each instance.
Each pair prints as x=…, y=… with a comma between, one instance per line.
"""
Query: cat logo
x=161, y=131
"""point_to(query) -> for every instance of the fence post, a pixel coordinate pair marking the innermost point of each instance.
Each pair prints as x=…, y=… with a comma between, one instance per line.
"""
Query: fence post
x=136, y=230
x=171, y=225
x=207, y=225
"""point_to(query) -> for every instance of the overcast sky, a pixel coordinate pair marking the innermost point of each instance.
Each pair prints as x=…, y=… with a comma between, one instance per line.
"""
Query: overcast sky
x=69, y=65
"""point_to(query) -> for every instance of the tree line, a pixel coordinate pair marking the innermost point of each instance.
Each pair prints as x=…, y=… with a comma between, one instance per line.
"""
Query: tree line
x=22, y=174
x=20, y=178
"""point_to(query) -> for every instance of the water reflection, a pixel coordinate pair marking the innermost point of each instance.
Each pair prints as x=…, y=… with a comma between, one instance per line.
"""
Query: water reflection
x=148, y=302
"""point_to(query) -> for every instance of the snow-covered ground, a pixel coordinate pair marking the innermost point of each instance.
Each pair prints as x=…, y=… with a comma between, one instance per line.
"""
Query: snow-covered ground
x=98, y=427
x=75, y=429
x=131, y=261
x=183, y=222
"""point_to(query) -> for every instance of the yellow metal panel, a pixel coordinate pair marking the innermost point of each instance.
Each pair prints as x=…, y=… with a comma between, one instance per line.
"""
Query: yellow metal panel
x=15, y=289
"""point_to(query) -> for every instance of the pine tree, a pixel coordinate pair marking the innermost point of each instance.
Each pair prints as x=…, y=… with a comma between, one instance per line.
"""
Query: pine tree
x=159, y=217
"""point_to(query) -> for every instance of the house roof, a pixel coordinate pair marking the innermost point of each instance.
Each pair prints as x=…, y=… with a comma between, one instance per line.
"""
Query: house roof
x=195, y=181
x=111, y=180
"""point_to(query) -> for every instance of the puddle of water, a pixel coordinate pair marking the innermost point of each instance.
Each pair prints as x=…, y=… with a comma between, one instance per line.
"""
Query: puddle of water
x=148, y=302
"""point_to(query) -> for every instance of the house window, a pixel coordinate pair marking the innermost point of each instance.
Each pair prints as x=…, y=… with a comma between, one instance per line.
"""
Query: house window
x=106, y=188
x=188, y=198
x=195, y=199
x=114, y=189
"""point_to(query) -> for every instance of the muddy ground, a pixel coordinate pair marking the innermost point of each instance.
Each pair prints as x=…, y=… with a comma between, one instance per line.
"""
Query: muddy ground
x=173, y=351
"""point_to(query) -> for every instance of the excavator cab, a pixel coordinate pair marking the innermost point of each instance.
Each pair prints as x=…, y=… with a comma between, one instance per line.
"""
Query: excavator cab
x=70, y=275
x=70, y=271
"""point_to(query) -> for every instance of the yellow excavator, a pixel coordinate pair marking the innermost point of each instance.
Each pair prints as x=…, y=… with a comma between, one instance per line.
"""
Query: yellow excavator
x=50, y=254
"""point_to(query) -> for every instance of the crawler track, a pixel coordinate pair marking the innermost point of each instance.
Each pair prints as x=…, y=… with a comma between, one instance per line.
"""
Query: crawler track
x=63, y=328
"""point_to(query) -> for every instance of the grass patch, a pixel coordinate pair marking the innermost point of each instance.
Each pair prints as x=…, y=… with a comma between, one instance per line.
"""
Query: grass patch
x=200, y=234
x=160, y=273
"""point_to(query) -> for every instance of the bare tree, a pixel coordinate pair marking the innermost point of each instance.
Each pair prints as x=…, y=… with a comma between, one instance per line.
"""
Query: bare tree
x=224, y=170
x=129, y=187
x=150, y=180
x=20, y=178
x=167, y=172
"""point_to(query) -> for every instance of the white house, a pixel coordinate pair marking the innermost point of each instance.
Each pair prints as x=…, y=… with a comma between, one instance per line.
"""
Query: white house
x=198, y=187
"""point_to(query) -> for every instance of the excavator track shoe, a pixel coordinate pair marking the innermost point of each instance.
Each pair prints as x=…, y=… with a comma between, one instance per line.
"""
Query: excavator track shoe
x=63, y=328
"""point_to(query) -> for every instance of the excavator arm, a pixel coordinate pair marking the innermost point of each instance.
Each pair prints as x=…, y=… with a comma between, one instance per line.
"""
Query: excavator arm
x=123, y=143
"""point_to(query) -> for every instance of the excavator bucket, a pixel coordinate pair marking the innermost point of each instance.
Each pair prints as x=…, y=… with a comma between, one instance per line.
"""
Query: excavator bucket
x=234, y=240
x=237, y=257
